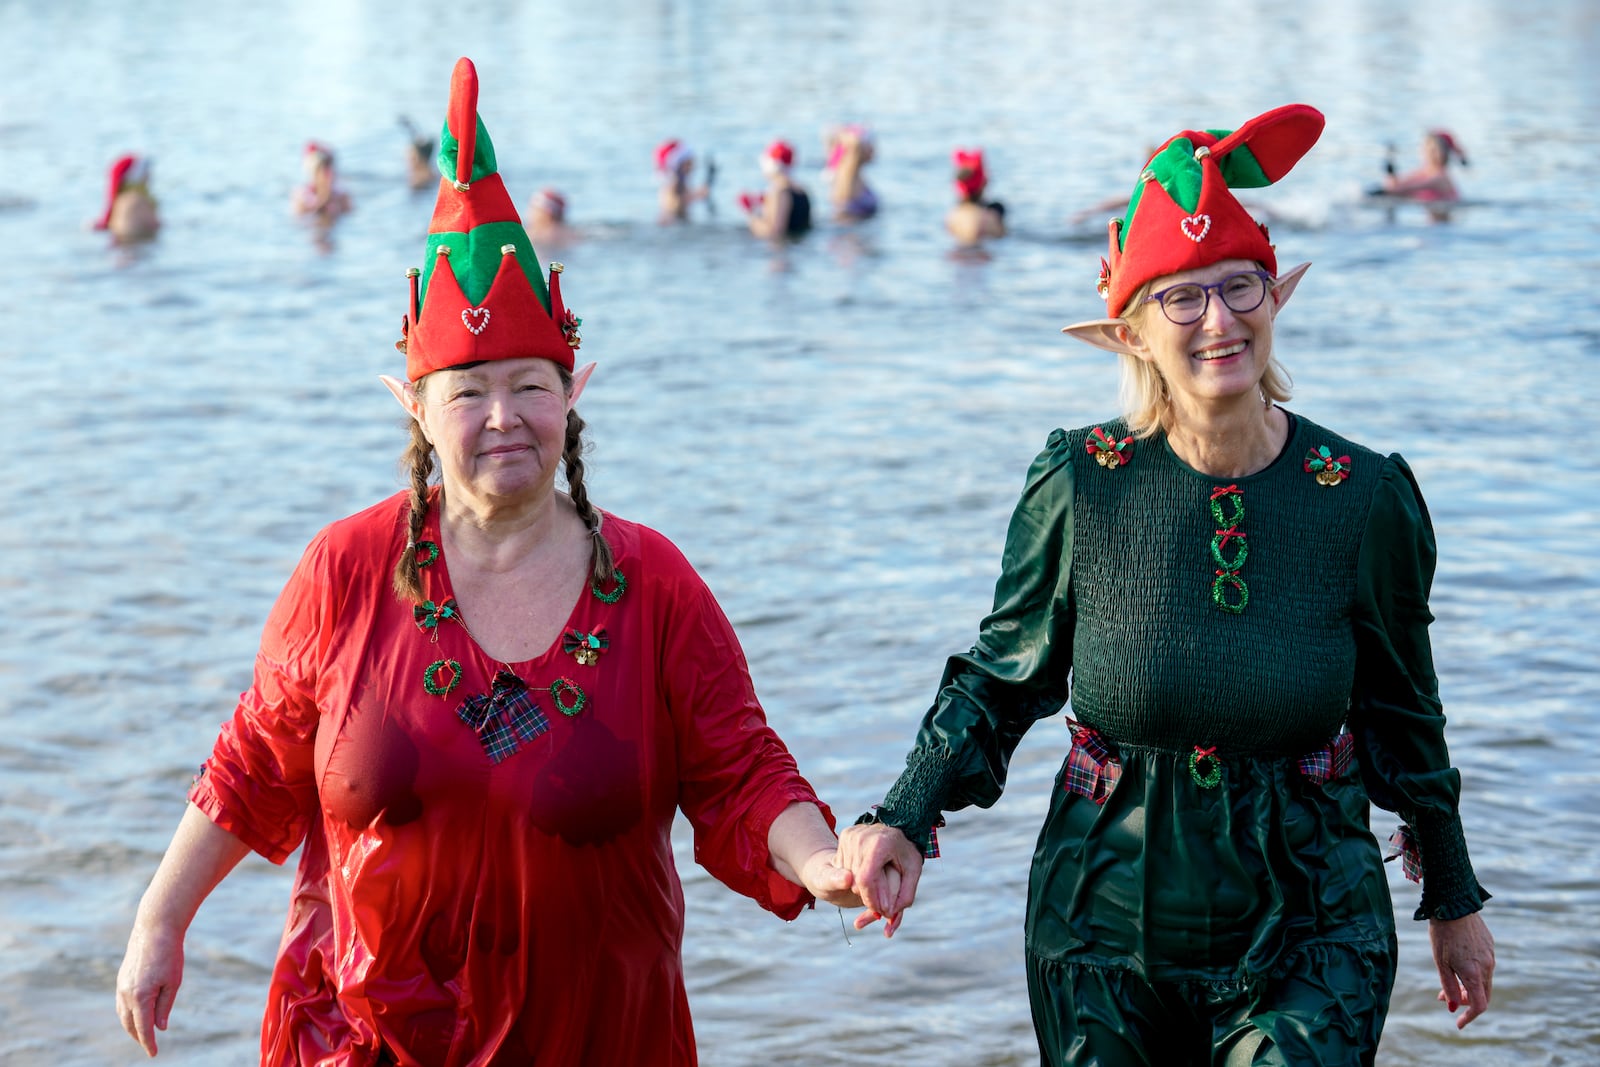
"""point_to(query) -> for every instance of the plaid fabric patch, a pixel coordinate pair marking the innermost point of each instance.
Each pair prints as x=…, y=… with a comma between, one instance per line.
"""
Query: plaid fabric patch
x=1330, y=762
x=1091, y=769
x=1403, y=844
x=930, y=852
x=502, y=717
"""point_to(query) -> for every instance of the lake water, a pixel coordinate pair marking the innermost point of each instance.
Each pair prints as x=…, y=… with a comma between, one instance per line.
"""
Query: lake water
x=834, y=431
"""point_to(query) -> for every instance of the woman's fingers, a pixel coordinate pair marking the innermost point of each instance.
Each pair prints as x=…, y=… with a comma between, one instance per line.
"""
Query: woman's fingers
x=147, y=984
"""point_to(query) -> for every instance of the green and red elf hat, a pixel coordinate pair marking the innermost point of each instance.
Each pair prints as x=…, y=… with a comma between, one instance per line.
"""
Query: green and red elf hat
x=1183, y=214
x=480, y=294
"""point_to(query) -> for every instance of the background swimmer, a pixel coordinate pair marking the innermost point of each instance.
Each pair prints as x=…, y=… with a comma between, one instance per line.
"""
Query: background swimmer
x=973, y=219
x=130, y=213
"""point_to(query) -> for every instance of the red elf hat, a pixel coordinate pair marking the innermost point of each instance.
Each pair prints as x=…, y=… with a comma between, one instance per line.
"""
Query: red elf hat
x=481, y=295
x=1183, y=214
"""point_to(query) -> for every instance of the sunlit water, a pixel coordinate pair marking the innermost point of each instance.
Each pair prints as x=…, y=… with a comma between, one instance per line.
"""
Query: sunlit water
x=834, y=432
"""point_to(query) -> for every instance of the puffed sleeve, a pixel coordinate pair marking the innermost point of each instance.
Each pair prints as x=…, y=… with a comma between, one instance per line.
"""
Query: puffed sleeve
x=259, y=783
x=1016, y=673
x=735, y=775
x=1395, y=713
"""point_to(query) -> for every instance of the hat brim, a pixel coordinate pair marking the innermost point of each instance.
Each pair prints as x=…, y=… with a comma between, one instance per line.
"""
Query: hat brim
x=1102, y=333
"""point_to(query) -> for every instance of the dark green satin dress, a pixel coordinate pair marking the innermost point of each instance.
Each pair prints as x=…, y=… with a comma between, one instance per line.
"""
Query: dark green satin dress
x=1208, y=900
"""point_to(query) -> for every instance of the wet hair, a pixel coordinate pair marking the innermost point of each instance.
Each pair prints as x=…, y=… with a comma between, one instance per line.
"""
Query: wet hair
x=1146, y=402
x=418, y=462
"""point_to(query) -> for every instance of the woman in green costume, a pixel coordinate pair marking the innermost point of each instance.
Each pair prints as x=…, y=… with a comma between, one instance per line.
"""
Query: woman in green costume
x=1237, y=599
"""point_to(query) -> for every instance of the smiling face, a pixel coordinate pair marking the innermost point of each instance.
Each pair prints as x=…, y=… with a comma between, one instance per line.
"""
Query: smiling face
x=498, y=428
x=1215, y=360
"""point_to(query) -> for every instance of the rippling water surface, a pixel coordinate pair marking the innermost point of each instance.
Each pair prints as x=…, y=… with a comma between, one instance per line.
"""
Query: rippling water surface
x=834, y=432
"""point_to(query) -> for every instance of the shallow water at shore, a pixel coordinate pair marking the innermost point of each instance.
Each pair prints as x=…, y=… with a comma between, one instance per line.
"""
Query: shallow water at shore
x=834, y=432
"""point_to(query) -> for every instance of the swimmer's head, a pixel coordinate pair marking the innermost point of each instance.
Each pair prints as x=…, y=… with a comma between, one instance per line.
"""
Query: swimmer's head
x=839, y=141
x=673, y=158
x=777, y=159
x=1444, y=145
x=316, y=158
x=970, y=176
x=551, y=203
x=127, y=172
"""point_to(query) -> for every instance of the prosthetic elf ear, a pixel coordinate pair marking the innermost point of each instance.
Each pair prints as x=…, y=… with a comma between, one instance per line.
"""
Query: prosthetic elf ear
x=1102, y=333
x=405, y=393
x=1287, y=282
x=580, y=378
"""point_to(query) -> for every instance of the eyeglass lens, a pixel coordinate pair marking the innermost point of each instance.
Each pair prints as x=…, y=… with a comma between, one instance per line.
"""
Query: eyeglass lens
x=1241, y=292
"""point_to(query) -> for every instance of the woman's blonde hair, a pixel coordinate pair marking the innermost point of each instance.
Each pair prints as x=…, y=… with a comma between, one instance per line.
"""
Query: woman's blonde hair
x=1146, y=402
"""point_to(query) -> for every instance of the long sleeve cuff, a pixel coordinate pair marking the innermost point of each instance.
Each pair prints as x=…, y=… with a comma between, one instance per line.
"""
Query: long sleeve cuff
x=917, y=798
x=1450, y=889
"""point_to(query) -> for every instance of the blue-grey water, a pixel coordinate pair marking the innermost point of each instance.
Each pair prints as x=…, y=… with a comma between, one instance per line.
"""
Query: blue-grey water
x=833, y=431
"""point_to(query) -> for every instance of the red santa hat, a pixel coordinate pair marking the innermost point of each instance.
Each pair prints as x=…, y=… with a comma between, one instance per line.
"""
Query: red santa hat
x=481, y=295
x=551, y=202
x=970, y=176
x=780, y=152
x=1448, y=142
x=127, y=170
x=670, y=155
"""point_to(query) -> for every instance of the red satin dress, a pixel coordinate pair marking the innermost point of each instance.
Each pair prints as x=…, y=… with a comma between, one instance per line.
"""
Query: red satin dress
x=486, y=873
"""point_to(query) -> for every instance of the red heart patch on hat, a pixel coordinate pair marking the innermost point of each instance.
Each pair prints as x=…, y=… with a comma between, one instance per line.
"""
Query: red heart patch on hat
x=1195, y=227
x=477, y=319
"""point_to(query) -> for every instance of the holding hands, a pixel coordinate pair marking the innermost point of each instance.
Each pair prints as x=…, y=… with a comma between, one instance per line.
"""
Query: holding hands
x=884, y=866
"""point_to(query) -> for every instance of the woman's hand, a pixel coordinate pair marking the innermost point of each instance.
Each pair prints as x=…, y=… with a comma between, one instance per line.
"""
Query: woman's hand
x=148, y=982
x=885, y=867
x=200, y=856
x=827, y=881
x=1463, y=950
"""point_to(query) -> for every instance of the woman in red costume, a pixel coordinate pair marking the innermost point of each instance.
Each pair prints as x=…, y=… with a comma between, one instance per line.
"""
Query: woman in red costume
x=476, y=709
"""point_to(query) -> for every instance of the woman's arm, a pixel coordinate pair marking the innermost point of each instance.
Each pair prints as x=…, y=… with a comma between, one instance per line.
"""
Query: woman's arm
x=802, y=848
x=200, y=856
x=1419, y=181
x=1014, y=675
x=773, y=219
x=1398, y=722
x=844, y=175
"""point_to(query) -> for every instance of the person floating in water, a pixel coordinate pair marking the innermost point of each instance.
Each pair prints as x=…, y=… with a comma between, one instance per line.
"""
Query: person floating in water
x=675, y=165
x=421, y=172
x=973, y=218
x=130, y=214
x=850, y=148
x=547, y=219
x=321, y=196
x=1429, y=183
x=784, y=210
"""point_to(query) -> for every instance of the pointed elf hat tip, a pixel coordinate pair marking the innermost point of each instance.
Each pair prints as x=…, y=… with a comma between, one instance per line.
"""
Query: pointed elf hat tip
x=480, y=294
x=1183, y=214
x=461, y=119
